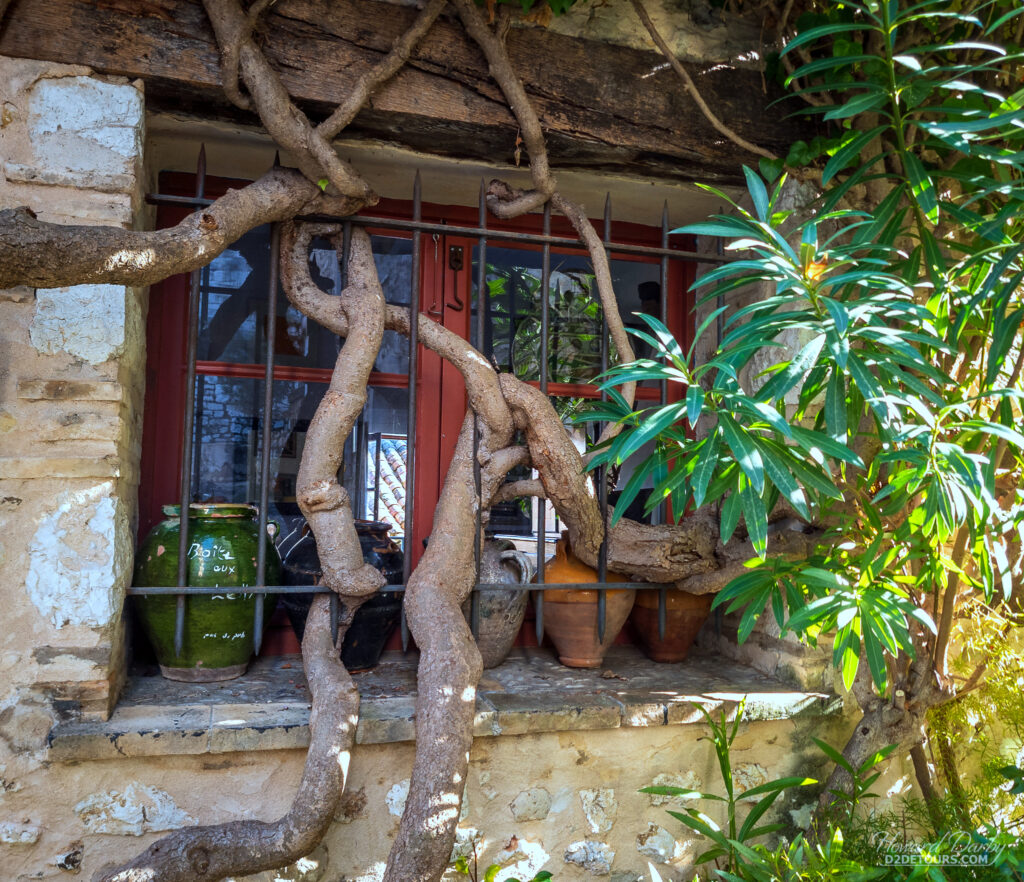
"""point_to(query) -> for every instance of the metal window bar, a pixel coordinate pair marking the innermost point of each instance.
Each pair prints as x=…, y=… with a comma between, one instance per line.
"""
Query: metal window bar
x=416, y=227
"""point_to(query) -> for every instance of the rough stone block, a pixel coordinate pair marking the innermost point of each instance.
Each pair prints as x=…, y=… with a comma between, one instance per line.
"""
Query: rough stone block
x=20, y=294
x=656, y=843
x=136, y=810
x=599, y=808
x=13, y=833
x=85, y=321
x=594, y=857
x=29, y=468
x=69, y=390
x=531, y=805
x=519, y=714
x=82, y=425
x=387, y=721
x=77, y=180
x=133, y=732
x=236, y=728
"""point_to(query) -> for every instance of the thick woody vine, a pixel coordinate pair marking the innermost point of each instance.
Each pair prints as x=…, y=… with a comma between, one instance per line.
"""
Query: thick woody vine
x=688, y=555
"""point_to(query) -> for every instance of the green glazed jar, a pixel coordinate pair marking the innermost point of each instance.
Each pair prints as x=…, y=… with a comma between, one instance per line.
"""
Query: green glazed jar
x=223, y=542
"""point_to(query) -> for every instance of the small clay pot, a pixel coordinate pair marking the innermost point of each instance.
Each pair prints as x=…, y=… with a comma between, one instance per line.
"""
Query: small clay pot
x=570, y=615
x=501, y=612
x=685, y=614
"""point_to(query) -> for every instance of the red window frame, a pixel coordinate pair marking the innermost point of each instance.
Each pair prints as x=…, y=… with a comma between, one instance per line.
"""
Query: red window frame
x=439, y=415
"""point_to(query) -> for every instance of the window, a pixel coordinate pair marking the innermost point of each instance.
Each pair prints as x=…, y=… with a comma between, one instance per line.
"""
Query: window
x=230, y=367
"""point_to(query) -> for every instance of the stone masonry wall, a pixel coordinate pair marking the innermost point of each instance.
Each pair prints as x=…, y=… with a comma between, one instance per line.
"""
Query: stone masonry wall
x=72, y=372
x=564, y=801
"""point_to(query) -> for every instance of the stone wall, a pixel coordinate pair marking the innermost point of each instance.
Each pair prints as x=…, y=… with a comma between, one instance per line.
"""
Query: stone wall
x=71, y=386
x=564, y=801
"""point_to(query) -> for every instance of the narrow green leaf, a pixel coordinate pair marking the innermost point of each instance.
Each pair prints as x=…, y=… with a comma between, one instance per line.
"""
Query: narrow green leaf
x=743, y=450
x=790, y=375
x=876, y=656
x=861, y=104
x=706, y=463
x=778, y=473
x=730, y=516
x=758, y=192
x=694, y=404
x=850, y=150
x=922, y=187
x=756, y=519
x=835, y=408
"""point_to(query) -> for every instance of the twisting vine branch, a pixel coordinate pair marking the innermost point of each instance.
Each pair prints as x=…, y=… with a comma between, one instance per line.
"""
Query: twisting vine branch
x=381, y=72
x=691, y=86
x=505, y=202
x=239, y=848
x=287, y=125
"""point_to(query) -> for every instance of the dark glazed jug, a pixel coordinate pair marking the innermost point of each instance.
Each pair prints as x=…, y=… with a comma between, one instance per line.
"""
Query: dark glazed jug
x=375, y=620
x=223, y=544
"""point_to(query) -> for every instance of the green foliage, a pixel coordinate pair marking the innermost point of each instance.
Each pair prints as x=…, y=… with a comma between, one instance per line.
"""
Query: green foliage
x=894, y=419
x=733, y=843
x=862, y=778
x=850, y=845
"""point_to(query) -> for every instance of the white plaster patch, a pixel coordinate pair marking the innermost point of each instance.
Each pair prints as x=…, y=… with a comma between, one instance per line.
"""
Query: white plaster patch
x=12, y=833
x=656, y=842
x=84, y=124
x=531, y=805
x=683, y=780
x=139, y=809
x=520, y=859
x=396, y=798
x=599, y=807
x=594, y=857
x=900, y=787
x=79, y=559
x=86, y=321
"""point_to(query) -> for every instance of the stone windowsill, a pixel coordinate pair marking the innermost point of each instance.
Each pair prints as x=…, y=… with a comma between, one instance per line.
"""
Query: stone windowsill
x=531, y=692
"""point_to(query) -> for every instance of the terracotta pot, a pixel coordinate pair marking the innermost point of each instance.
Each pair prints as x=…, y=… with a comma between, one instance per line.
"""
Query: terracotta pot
x=684, y=616
x=570, y=615
x=501, y=612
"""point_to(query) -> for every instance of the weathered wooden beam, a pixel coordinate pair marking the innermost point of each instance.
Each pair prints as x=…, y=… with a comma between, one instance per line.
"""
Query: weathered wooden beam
x=604, y=107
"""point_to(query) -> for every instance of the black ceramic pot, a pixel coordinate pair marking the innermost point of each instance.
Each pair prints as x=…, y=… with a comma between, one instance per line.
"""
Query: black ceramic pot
x=376, y=619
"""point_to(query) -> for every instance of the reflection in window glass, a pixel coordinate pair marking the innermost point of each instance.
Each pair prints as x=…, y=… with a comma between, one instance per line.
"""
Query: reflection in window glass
x=233, y=305
x=227, y=448
x=376, y=455
x=512, y=323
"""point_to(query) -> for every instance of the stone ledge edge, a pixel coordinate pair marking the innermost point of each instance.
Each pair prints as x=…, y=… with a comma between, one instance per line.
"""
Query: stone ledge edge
x=164, y=732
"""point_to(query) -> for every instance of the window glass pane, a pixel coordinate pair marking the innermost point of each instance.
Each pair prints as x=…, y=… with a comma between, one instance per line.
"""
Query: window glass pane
x=376, y=454
x=393, y=258
x=233, y=305
x=513, y=306
x=227, y=448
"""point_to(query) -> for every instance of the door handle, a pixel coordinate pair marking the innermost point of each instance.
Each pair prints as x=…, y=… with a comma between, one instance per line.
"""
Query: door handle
x=456, y=261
